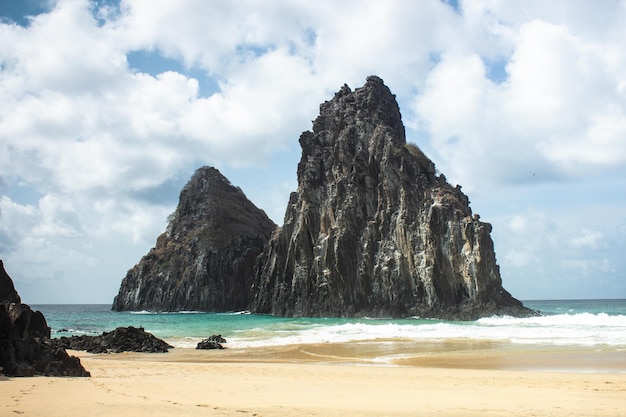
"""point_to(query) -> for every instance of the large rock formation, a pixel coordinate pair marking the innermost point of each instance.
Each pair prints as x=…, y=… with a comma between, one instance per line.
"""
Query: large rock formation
x=25, y=346
x=373, y=230
x=205, y=259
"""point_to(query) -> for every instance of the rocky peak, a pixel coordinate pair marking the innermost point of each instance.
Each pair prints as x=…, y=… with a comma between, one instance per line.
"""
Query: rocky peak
x=212, y=208
x=8, y=294
x=372, y=106
x=205, y=259
x=372, y=230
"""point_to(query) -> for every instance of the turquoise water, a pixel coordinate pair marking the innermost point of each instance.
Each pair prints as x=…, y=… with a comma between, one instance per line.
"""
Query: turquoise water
x=614, y=307
x=600, y=323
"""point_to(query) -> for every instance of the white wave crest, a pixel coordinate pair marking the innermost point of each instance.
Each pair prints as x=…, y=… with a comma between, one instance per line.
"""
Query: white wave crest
x=581, y=319
x=580, y=329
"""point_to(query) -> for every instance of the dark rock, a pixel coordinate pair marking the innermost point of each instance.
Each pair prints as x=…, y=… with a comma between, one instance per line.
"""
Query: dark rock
x=212, y=342
x=8, y=294
x=25, y=346
x=122, y=339
x=372, y=230
x=205, y=259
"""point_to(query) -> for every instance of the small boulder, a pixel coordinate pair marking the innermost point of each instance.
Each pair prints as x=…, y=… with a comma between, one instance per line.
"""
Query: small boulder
x=213, y=342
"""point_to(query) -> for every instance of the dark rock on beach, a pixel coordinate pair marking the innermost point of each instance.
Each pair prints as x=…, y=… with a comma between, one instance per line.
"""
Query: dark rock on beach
x=25, y=345
x=122, y=339
x=205, y=259
x=212, y=342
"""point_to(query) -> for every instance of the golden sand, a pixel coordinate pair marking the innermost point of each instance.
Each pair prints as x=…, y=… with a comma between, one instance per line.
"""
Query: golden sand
x=386, y=378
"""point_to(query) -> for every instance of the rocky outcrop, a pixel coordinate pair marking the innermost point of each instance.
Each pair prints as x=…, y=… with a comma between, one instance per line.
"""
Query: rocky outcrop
x=25, y=346
x=122, y=339
x=8, y=294
x=205, y=259
x=212, y=342
x=373, y=230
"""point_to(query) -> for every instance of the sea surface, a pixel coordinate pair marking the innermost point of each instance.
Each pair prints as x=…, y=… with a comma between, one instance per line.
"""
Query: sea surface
x=597, y=324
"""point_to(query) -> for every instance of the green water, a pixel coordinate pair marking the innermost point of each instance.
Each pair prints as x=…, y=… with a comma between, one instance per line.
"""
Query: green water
x=566, y=322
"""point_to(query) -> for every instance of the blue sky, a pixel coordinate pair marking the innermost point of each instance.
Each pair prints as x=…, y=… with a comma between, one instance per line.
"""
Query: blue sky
x=108, y=107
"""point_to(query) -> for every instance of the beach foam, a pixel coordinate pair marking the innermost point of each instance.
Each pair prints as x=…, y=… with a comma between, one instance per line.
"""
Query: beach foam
x=579, y=329
x=598, y=324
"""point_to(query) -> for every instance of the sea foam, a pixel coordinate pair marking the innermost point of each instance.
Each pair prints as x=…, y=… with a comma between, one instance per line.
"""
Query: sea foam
x=568, y=329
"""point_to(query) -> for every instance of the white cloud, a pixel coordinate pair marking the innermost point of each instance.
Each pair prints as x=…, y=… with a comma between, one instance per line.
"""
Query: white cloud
x=587, y=239
x=15, y=219
x=251, y=109
x=563, y=91
x=65, y=51
x=104, y=146
x=212, y=35
x=58, y=218
x=530, y=232
x=560, y=112
x=545, y=251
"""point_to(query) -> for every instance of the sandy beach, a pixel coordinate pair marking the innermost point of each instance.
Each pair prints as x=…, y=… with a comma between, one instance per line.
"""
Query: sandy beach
x=443, y=379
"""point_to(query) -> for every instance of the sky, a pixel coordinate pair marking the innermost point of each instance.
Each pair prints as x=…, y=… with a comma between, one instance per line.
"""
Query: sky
x=108, y=107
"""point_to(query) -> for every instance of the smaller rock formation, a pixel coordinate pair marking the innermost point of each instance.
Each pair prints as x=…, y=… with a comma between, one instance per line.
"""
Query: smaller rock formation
x=213, y=342
x=122, y=339
x=25, y=346
x=205, y=259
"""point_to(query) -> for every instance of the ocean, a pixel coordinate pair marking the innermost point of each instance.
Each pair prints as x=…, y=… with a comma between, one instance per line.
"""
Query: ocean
x=596, y=324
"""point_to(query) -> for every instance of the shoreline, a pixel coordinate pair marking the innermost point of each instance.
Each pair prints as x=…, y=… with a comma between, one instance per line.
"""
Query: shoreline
x=450, y=354
x=456, y=378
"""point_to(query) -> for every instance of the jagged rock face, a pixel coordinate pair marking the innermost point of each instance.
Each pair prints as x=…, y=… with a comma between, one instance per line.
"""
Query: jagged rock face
x=373, y=230
x=205, y=259
x=25, y=346
x=8, y=294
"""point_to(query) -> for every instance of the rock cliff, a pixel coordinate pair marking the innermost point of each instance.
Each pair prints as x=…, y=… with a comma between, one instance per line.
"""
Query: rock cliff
x=373, y=230
x=25, y=346
x=205, y=259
